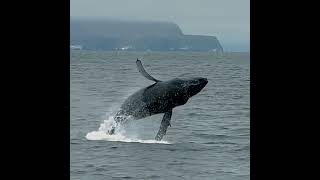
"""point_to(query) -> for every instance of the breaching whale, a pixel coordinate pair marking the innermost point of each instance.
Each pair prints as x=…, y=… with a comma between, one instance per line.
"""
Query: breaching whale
x=160, y=97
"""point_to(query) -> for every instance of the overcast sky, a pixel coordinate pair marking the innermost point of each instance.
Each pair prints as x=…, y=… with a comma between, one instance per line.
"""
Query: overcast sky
x=229, y=20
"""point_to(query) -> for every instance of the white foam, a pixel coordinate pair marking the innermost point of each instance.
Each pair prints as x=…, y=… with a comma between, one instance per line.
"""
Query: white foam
x=120, y=134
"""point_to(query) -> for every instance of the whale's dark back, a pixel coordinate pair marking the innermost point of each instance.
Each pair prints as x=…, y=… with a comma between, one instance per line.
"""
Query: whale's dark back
x=156, y=98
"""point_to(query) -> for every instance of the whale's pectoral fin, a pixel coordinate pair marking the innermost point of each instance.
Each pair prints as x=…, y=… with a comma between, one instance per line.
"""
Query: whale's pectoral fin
x=164, y=125
x=144, y=72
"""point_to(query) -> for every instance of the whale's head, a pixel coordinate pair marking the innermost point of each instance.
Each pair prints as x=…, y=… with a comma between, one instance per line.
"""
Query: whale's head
x=194, y=85
x=188, y=87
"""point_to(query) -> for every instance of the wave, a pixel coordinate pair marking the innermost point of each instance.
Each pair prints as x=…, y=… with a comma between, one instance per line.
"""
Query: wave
x=119, y=136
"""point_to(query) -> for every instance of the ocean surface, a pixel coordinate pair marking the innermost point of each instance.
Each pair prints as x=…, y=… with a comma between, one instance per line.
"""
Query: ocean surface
x=210, y=134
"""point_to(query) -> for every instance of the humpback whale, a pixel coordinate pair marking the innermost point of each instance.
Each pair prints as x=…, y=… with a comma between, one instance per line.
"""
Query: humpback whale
x=160, y=97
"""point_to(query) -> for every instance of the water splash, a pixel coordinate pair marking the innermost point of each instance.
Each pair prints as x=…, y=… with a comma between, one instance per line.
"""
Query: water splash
x=120, y=134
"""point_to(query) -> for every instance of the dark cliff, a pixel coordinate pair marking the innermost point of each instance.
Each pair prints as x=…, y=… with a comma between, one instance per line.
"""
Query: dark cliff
x=138, y=36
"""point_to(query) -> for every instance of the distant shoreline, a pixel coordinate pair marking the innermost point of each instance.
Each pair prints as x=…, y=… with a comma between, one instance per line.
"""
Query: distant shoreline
x=161, y=52
x=138, y=36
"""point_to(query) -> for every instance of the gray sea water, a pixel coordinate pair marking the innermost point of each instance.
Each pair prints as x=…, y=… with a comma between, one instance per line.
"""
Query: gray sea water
x=210, y=134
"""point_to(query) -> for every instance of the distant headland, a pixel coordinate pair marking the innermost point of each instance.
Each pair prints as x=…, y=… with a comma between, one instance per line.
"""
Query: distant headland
x=90, y=34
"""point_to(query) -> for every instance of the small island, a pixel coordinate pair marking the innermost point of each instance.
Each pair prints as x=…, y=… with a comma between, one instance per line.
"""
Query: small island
x=113, y=35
